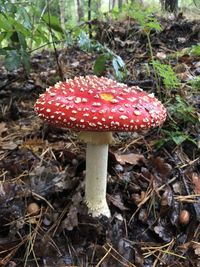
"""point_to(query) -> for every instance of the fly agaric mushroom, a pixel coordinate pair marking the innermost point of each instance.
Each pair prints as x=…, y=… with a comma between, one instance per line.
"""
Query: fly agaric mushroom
x=98, y=106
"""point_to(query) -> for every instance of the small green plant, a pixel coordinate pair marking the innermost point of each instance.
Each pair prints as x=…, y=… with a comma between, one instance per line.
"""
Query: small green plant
x=195, y=83
x=178, y=137
x=142, y=15
x=181, y=111
x=147, y=22
x=105, y=55
x=23, y=27
x=195, y=50
x=167, y=74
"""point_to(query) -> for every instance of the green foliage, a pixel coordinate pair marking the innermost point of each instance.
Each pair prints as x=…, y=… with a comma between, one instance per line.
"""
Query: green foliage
x=195, y=83
x=23, y=26
x=181, y=111
x=166, y=72
x=106, y=55
x=12, y=60
x=178, y=137
x=147, y=22
x=100, y=64
x=52, y=22
x=142, y=15
x=195, y=50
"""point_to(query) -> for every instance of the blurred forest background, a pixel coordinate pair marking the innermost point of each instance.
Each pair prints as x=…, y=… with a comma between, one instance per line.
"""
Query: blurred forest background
x=27, y=26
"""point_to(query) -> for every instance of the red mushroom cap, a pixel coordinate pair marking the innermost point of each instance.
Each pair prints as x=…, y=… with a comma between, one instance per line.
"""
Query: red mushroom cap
x=94, y=103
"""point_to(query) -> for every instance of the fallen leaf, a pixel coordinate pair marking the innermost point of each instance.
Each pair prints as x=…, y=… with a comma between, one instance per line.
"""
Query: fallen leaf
x=75, y=64
x=131, y=158
x=71, y=220
x=196, y=182
x=162, y=167
x=196, y=247
x=3, y=128
x=161, y=55
x=163, y=232
x=181, y=40
x=9, y=145
x=117, y=202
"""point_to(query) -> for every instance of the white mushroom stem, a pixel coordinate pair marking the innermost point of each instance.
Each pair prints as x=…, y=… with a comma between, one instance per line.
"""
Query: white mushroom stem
x=96, y=179
x=96, y=171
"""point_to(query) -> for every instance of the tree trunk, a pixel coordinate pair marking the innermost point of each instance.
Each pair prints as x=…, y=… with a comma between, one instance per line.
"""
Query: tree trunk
x=98, y=6
x=62, y=14
x=89, y=18
x=169, y=5
x=113, y=4
x=120, y=2
x=80, y=11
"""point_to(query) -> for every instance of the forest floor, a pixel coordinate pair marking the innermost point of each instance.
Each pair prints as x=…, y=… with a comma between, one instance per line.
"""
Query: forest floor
x=153, y=179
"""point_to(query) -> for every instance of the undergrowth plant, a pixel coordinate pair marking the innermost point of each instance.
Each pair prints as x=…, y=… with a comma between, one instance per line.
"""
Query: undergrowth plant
x=181, y=111
x=195, y=83
x=105, y=55
x=195, y=50
x=180, y=114
x=148, y=23
x=166, y=72
x=24, y=27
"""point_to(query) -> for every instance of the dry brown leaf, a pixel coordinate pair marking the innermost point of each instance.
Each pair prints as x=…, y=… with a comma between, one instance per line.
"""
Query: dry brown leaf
x=196, y=247
x=129, y=158
x=161, y=166
x=196, y=182
x=161, y=55
x=3, y=128
x=117, y=201
x=75, y=64
x=185, y=76
x=10, y=145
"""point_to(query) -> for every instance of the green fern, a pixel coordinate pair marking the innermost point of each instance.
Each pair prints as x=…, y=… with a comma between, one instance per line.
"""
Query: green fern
x=166, y=72
x=195, y=50
x=195, y=83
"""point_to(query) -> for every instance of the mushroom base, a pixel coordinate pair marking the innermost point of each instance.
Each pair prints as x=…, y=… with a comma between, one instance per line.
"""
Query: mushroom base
x=96, y=179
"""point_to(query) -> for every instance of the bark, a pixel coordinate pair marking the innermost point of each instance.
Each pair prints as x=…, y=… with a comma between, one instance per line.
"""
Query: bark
x=169, y=5
x=62, y=14
x=80, y=10
x=98, y=6
x=112, y=4
x=120, y=2
x=89, y=18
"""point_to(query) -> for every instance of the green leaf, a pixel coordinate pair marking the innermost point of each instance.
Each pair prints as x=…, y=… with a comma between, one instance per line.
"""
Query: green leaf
x=100, y=65
x=195, y=83
x=12, y=60
x=84, y=41
x=22, y=40
x=118, y=65
x=25, y=57
x=195, y=50
x=2, y=51
x=168, y=75
x=26, y=20
x=5, y=24
x=154, y=25
x=120, y=61
x=2, y=36
x=53, y=22
x=179, y=139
